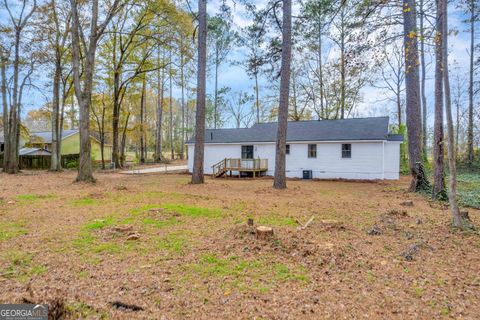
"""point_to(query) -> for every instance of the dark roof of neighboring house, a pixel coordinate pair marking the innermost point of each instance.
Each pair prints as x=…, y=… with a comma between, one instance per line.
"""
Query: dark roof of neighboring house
x=375, y=128
x=33, y=152
x=395, y=137
x=46, y=136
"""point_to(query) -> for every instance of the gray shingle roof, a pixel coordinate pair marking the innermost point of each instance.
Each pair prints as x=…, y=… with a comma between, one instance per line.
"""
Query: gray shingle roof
x=33, y=152
x=46, y=136
x=375, y=128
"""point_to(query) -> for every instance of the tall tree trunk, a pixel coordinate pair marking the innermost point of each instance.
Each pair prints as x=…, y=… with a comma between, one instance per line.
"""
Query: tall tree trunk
x=197, y=174
x=438, y=143
x=170, y=128
x=84, y=95
x=412, y=85
x=257, y=96
x=124, y=141
x=158, y=131
x=422, y=88
x=280, y=181
x=142, y=119
x=117, y=75
x=6, y=130
x=320, y=66
x=215, y=102
x=72, y=114
x=458, y=221
x=342, y=63
x=470, y=154
x=55, y=164
x=182, y=81
x=399, y=105
x=14, y=126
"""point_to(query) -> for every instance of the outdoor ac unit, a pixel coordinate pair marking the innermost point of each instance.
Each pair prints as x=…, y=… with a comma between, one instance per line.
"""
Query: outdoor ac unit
x=307, y=174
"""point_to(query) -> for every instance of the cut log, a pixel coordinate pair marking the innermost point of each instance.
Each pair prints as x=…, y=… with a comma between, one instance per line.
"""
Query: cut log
x=133, y=236
x=407, y=203
x=264, y=233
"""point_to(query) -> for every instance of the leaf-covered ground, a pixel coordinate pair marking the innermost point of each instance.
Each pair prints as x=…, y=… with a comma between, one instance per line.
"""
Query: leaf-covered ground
x=185, y=251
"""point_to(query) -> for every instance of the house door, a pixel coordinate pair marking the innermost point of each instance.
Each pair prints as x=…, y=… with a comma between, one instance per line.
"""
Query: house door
x=247, y=152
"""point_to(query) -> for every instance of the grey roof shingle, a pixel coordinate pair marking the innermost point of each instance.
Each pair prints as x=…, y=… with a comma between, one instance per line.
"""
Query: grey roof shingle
x=46, y=136
x=375, y=128
x=33, y=152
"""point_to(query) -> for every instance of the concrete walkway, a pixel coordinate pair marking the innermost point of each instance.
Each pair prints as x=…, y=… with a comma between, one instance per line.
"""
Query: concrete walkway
x=159, y=169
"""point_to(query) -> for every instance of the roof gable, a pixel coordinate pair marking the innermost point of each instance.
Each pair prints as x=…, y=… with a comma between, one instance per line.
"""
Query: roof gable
x=46, y=136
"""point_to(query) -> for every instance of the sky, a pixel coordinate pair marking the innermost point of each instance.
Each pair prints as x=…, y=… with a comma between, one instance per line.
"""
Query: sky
x=374, y=103
x=235, y=77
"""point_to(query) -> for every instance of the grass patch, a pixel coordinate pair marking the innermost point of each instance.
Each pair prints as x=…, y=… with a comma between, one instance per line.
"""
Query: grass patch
x=84, y=202
x=174, y=243
x=81, y=310
x=9, y=230
x=107, y=247
x=284, y=273
x=180, y=209
x=21, y=266
x=28, y=198
x=192, y=211
x=87, y=242
x=99, y=223
x=256, y=275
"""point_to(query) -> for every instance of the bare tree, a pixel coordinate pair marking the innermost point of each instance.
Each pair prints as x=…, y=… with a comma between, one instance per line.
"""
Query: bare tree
x=237, y=106
x=197, y=174
x=19, y=23
x=83, y=59
x=393, y=76
x=57, y=37
x=438, y=143
x=280, y=181
x=4, y=56
x=473, y=17
x=423, y=78
x=159, y=109
x=412, y=88
x=458, y=220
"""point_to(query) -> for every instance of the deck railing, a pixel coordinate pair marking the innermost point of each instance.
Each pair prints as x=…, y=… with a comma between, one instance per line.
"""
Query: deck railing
x=232, y=164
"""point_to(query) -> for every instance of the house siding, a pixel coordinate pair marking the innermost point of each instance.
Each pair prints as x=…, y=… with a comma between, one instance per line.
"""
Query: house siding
x=71, y=145
x=370, y=160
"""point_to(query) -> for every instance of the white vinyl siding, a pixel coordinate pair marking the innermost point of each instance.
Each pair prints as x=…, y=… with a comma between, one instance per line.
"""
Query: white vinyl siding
x=369, y=160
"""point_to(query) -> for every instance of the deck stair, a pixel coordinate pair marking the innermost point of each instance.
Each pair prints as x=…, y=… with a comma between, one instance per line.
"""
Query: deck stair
x=230, y=165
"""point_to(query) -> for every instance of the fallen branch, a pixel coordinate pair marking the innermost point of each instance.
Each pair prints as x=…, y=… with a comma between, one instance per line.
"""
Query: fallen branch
x=306, y=224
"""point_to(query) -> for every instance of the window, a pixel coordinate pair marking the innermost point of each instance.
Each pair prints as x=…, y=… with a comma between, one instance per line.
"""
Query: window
x=247, y=152
x=312, y=150
x=288, y=149
x=346, y=150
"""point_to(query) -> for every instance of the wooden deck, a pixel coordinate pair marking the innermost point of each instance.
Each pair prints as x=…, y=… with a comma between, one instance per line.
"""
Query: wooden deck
x=228, y=166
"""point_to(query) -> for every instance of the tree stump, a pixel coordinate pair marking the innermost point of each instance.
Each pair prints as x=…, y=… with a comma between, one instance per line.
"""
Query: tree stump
x=407, y=203
x=264, y=233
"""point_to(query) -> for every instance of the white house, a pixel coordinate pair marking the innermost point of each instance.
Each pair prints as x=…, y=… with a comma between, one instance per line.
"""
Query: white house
x=327, y=149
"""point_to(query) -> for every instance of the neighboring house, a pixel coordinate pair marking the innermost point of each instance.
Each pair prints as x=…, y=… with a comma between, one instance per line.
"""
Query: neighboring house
x=70, y=144
x=33, y=152
x=23, y=138
x=359, y=148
